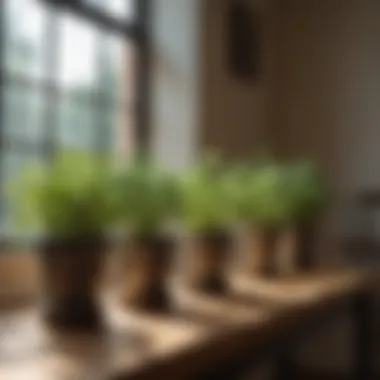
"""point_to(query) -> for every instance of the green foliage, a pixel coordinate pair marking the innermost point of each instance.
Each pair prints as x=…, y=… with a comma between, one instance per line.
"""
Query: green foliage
x=70, y=197
x=262, y=200
x=79, y=194
x=208, y=197
x=148, y=198
x=270, y=194
x=306, y=191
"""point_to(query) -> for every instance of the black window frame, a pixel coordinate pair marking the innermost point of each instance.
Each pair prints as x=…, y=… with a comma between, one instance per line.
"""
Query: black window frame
x=137, y=30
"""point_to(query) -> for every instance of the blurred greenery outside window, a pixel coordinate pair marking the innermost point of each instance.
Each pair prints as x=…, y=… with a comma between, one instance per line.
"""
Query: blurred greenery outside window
x=65, y=85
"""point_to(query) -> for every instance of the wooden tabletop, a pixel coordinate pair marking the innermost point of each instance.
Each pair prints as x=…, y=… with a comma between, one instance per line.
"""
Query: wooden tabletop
x=200, y=332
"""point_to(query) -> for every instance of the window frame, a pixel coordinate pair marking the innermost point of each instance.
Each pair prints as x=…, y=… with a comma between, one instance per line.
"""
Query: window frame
x=137, y=30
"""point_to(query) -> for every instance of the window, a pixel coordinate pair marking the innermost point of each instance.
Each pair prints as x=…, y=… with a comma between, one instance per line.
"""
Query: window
x=66, y=79
x=121, y=9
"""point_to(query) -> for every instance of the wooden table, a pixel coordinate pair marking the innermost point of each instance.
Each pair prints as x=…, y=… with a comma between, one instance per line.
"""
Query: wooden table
x=203, y=338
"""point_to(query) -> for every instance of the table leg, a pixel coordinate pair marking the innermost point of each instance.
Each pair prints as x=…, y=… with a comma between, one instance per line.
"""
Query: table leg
x=363, y=338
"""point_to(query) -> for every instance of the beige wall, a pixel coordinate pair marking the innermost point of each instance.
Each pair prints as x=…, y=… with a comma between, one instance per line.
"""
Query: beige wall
x=317, y=95
x=196, y=103
x=328, y=89
x=329, y=86
x=235, y=114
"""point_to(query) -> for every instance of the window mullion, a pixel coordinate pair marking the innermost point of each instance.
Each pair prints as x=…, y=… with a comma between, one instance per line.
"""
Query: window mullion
x=142, y=105
x=99, y=123
x=52, y=48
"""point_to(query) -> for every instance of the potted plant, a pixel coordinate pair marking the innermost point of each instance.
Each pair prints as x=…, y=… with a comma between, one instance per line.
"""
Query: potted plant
x=306, y=194
x=68, y=205
x=208, y=213
x=263, y=209
x=148, y=202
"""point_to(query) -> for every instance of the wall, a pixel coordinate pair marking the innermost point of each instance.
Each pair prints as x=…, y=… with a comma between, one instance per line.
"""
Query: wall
x=235, y=113
x=196, y=102
x=328, y=91
x=326, y=105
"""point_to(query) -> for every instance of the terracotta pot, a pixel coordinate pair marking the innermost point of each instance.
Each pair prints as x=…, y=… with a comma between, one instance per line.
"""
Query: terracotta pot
x=208, y=261
x=147, y=268
x=258, y=257
x=295, y=249
x=71, y=270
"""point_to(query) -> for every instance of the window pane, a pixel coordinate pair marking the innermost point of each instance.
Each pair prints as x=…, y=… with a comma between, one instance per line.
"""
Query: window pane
x=115, y=82
x=77, y=126
x=12, y=164
x=22, y=114
x=107, y=127
x=77, y=53
x=25, y=22
x=121, y=9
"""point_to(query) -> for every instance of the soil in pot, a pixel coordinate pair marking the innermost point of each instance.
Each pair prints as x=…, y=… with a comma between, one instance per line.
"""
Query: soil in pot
x=258, y=257
x=71, y=271
x=147, y=269
x=208, y=261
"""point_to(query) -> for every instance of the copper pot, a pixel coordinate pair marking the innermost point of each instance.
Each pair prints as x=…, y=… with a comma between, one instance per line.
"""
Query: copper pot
x=147, y=268
x=71, y=269
x=207, y=262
